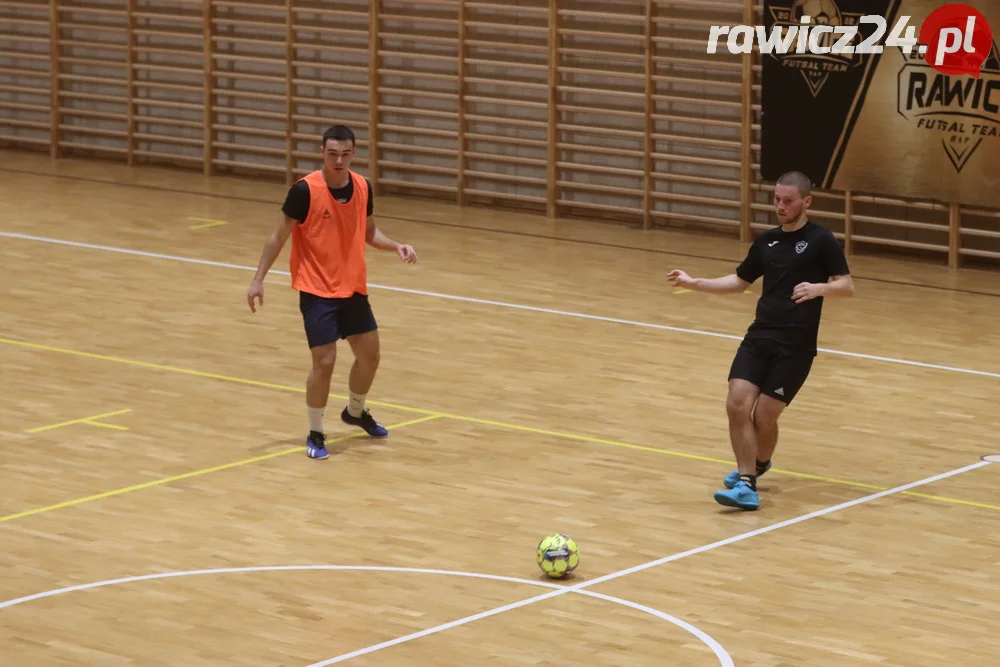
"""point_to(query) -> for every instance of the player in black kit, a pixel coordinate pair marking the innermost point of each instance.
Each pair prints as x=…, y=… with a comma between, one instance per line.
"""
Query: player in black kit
x=801, y=263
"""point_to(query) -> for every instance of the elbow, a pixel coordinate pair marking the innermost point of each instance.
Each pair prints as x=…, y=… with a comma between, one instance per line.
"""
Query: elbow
x=840, y=286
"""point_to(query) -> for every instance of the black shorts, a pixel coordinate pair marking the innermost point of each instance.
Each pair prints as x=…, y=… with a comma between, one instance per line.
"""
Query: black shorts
x=328, y=320
x=779, y=370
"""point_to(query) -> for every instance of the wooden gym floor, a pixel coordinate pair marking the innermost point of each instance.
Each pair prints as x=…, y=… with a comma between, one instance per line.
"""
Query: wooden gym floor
x=538, y=376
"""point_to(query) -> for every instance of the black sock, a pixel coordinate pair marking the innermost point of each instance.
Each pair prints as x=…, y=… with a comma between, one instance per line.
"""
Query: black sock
x=762, y=466
x=751, y=480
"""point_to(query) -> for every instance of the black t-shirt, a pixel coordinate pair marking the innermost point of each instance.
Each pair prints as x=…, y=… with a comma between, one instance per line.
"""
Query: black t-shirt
x=810, y=254
x=297, y=201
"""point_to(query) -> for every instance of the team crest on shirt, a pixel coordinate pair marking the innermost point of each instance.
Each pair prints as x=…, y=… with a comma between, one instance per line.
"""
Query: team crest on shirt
x=801, y=246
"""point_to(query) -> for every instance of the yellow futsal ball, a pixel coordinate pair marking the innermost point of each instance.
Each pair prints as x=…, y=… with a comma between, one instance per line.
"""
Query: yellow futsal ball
x=558, y=555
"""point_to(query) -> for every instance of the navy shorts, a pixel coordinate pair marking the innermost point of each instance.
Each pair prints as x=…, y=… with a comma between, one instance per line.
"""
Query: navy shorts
x=777, y=369
x=328, y=320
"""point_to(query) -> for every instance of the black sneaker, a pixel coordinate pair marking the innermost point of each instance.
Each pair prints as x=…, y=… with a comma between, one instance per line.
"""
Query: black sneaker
x=366, y=422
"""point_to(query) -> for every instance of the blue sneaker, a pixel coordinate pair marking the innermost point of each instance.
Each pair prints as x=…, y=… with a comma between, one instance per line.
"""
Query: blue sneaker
x=741, y=495
x=366, y=422
x=733, y=477
x=316, y=446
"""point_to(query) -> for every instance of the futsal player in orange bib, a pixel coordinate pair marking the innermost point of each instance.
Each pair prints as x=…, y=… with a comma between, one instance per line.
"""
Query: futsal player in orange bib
x=328, y=214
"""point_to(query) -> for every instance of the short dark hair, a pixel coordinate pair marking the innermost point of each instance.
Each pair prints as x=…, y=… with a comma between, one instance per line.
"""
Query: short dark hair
x=799, y=180
x=338, y=133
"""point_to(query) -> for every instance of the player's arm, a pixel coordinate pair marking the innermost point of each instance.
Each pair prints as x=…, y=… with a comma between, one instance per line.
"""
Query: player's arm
x=272, y=248
x=293, y=212
x=839, y=284
x=731, y=284
x=736, y=283
x=842, y=286
x=836, y=286
x=377, y=239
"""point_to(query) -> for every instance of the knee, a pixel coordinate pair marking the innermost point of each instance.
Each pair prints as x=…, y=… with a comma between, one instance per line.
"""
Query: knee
x=739, y=407
x=765, y=418
x=323, y=362
x=366, y=350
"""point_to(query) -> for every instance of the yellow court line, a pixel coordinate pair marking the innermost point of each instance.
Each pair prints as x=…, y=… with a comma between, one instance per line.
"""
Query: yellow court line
x=194, y=473
x=875, y=487
x=82, y=420
x=487, y=422
x=579, y=438
x=209, y=222
x=832, y=480
x=709, y=459
x=956, y=501
x=172, y=369
x=103, y=425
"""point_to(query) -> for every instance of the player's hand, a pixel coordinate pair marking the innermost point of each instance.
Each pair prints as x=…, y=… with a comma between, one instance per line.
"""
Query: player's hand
x=680, y=279
x=407, y=254
x=806, y=291
x=256, y=291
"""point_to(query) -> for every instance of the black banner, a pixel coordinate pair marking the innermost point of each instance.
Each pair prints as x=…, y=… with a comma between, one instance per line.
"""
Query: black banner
x=810, y=101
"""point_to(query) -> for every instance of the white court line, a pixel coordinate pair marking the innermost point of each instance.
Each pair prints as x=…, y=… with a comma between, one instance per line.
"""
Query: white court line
x=646, y=566
x=488, y=302
x=724, y=658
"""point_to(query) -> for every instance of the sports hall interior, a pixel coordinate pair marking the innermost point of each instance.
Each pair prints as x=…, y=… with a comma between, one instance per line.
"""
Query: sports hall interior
x=550, y=161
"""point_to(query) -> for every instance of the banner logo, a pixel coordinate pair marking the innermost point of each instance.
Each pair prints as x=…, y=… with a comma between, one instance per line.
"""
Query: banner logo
x=835, y=51
x=965, y=111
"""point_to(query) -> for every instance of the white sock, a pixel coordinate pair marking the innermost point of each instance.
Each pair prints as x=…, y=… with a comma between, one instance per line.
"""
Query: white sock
x=356, y=405
x=315, y=419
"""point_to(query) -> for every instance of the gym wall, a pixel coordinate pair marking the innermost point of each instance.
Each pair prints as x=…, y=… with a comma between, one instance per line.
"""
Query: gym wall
x=571, y=108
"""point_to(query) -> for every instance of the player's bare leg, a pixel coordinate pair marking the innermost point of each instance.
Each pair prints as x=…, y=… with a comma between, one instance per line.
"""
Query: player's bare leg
x=766, y=412
x=366, y=348
x=743, y=435
x=317, y=392
x=765, y=418
x=318, y=383
x=366, y=360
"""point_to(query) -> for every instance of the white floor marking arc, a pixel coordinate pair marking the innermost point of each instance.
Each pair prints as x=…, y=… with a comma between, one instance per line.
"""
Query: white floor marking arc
x=501, y=304
x=724, y=659
x=646, y=566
